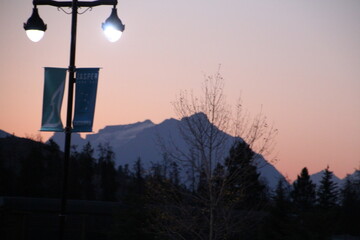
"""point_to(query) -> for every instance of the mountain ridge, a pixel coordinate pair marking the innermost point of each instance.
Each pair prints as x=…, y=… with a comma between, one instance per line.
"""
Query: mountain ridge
x=4, y=134
x=150, y=132
x=147, y=141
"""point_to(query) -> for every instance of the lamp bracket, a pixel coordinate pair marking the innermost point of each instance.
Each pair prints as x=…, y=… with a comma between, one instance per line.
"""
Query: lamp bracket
x=78, y=4
x=62, y=9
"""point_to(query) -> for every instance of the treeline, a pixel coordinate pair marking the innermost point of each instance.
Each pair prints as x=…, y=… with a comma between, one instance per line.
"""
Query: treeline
x=170, y=201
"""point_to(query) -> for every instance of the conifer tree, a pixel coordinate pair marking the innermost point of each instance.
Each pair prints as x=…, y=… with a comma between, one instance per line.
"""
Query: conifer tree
x=280, y=224
x=139, y=181
x=351, y=204
x=327, y=193
x=281, y=198
x=242, y=177
x=107, y=173
x=87, y=166
x=303, y=193
x=349, y=195
x=132, y=222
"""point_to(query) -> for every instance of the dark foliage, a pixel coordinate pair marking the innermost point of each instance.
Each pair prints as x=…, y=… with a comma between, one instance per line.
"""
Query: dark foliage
x=157, y=201
x=350, y=213
x=29, y=168
x=244, y=185
x=327, y=193
x=303, y=194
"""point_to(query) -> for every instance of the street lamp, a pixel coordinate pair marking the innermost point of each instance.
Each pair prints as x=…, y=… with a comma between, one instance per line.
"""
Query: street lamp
x=35, y=28
x=112, y=27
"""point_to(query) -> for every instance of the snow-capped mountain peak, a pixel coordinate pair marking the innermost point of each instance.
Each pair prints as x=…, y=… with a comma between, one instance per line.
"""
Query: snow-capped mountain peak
x=144, y=140
x=119, y=133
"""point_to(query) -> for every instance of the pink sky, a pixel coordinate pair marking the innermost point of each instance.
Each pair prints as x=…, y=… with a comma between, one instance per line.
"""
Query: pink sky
x=298, y=59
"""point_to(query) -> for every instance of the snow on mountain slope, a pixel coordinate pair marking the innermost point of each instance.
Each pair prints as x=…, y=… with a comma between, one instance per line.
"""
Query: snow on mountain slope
x=76, y=140
x=118, y=134
x=268, y=173
x=147, y=141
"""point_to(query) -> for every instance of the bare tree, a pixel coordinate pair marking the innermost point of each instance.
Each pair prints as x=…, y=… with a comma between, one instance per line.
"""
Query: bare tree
x=202, y=207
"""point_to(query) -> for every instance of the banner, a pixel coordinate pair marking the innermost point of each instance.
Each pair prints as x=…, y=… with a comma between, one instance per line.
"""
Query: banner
x=53, y=95
x=85, y=98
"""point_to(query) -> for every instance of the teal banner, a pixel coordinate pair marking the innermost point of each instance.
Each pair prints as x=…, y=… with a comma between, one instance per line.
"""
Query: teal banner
x=52, y=100
x=85, y=98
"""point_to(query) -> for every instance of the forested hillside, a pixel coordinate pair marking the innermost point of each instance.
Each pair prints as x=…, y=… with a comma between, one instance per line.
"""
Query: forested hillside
x=234, y=204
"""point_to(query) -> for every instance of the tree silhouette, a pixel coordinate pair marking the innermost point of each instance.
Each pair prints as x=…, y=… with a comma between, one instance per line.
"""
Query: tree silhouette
x=132, y=222
x=282, y=198
x=106, y=173
x=32, y=181
x=303, y=193
x=327, y=192
x=85, y=172
x=351, y=204
x=244, y=187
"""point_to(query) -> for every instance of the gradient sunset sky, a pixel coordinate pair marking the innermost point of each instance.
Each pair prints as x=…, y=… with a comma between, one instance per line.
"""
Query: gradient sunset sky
x=298, y=59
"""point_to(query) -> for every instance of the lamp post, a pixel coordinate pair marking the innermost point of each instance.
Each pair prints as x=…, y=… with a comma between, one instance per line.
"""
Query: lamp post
x=35, y=28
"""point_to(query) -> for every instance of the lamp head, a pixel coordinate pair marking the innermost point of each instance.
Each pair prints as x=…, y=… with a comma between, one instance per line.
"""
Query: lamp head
x=113, y=27
x=35, y=26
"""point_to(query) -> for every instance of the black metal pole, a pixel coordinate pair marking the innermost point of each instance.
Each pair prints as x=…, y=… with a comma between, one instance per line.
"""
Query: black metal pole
x=68, y=127
x=74, y=4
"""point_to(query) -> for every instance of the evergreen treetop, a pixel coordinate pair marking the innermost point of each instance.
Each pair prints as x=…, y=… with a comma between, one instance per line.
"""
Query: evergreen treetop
x=327, y=194
x=303, y=193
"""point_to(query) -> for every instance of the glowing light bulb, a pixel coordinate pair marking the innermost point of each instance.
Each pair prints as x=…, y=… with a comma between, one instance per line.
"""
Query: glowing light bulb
x=35, y=35
x=35, y=26
x=113, y=27
x=112, y=34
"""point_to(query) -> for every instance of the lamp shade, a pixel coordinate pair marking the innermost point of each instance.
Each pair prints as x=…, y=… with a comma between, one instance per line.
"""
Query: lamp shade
x=113, y=27
x=35, y=26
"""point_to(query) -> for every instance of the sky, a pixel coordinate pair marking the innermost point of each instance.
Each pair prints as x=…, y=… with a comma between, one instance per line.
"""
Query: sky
x=298, y=60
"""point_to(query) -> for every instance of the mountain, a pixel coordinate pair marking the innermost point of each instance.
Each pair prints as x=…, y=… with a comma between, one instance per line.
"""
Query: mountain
x=147, y=141
x=4, y=134
x=355, y=176
x=76, y=140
